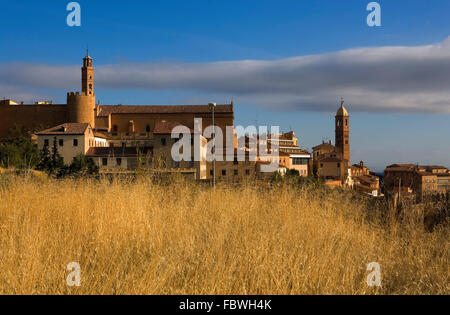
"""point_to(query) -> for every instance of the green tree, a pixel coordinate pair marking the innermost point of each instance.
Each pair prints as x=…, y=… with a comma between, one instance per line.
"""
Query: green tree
x=19, y=151
x=51, y=162
x=45, y=159
x=82, y=166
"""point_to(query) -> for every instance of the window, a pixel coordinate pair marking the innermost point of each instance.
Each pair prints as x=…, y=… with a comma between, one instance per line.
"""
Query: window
x=163, y=141
x=346, y=122
x=104, y=161
x=61, y=142
x=75, y=142
x=119, y=161
x=236, y=172
x=211, y=172
x=147, y=129
x=300, y=161
x=247, y=172
x=191, y=164
x=224, y=173
x=338, y=164
x=46, y=142
x=321, y=164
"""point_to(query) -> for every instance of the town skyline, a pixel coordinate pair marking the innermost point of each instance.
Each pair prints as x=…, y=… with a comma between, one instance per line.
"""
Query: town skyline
x=181, y=62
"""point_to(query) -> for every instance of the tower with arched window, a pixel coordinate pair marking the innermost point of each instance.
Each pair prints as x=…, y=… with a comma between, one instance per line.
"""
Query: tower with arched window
x=342, y=140
x=82, y=106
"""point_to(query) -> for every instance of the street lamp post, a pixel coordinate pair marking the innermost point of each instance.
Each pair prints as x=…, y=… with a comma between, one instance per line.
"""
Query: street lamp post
x=212, y=106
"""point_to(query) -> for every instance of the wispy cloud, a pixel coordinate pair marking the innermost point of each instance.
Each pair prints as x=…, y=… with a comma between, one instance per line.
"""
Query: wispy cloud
x=379, y=79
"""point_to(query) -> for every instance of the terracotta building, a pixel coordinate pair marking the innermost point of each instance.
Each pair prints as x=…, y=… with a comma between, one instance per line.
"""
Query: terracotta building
x=72, y=139
x=411, y=179
x=113, y=120
x=289, y=154
x=128, y=130
x=331, y=163
x=364, y=181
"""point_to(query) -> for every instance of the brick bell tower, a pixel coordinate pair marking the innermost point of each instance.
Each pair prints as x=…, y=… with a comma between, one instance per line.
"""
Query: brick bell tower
x=82, y=106
x=87, y=76
x=342, y=140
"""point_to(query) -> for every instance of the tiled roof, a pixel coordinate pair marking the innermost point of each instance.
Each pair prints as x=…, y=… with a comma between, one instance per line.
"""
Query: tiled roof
x=367, y=178
x=330, y=159
x=434, y=167
x=99, y=135
x=324, y=145
x=401, y=167
x=116, y=151
x=105, y=110
x=283, y=136
x=66, y=129
x=413, y=167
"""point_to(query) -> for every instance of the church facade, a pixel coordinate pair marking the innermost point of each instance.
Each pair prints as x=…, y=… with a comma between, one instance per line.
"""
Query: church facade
x=118, y=121
x=332, y=162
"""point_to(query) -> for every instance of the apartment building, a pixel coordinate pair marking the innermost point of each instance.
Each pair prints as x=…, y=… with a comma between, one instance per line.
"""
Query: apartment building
x=416, y=179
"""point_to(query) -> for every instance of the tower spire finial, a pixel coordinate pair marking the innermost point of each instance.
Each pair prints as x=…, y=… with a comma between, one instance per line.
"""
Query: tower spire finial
x=342, y=101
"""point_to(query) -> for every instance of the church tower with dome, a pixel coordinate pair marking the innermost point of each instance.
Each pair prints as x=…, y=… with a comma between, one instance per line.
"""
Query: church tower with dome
x=342, y=133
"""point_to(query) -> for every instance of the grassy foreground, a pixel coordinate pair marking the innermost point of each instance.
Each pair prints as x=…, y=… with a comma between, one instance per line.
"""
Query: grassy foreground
x=140, y=238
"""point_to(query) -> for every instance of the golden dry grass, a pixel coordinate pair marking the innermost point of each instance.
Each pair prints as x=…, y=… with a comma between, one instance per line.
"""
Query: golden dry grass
x=139, y=238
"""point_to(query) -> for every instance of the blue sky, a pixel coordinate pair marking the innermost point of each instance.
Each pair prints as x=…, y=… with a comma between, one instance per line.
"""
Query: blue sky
x=161, y=37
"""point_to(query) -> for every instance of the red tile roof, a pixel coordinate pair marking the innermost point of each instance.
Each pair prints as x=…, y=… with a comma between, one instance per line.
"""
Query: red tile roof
x=66, y=129
x=324, y=145
x=106, y=110
x=401, y=167
x=330, y=159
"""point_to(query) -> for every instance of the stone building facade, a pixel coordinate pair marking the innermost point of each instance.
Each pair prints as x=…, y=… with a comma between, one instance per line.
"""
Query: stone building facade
x=418, y=180
x=113, y=120
x=331, y=163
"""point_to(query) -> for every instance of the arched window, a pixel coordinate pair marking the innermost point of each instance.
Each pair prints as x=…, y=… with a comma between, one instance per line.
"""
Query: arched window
x=147, y=129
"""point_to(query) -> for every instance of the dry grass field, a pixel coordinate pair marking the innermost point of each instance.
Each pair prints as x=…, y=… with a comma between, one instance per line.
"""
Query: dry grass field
x=141, y=238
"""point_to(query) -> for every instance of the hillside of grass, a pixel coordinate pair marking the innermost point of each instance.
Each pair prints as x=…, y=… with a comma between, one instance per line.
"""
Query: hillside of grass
x=138, y=237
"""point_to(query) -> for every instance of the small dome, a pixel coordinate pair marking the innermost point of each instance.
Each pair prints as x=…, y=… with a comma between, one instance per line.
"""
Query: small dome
x=342, y=111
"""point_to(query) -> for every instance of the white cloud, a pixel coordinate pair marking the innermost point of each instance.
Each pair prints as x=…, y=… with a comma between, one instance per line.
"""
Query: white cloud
x=380, y=79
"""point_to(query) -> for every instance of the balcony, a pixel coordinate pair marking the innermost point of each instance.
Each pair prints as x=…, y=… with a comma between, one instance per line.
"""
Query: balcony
x=130, y=136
